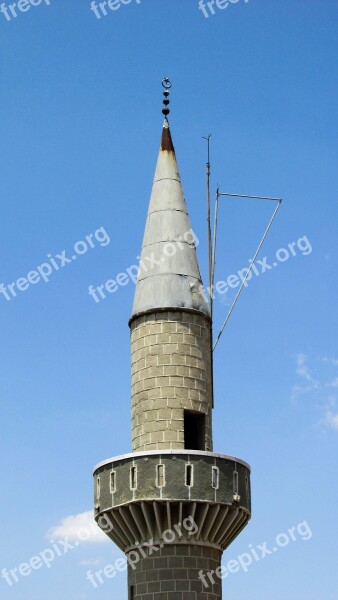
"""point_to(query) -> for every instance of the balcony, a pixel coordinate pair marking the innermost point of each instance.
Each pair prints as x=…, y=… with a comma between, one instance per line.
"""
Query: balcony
x=147, y=493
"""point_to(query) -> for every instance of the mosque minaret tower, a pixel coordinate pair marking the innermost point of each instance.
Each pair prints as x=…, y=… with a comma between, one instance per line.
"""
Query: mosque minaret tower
x=174, y=503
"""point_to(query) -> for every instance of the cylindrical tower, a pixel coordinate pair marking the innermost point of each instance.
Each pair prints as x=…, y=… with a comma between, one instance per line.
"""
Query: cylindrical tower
x=174, y=504
x=171, y=381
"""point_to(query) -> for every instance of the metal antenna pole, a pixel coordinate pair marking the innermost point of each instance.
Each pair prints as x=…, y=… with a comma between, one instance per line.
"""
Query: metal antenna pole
x=213, y=262
x=207, y=138
x=279, y=200
x=211, y=290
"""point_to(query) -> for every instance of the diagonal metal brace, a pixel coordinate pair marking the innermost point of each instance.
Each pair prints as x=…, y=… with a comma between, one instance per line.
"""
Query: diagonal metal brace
x=279, y=201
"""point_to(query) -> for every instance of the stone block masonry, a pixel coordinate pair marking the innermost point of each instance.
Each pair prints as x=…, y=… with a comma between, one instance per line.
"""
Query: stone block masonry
x=171, y=373
x=172, y=574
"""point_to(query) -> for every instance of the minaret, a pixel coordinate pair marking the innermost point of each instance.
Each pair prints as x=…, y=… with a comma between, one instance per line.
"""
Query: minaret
x=174, y=504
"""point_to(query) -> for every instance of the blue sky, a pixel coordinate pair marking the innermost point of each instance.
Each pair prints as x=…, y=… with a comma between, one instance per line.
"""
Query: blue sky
x=80, y=128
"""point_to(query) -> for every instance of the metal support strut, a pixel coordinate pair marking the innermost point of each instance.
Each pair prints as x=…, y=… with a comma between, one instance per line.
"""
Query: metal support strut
x=252, y=262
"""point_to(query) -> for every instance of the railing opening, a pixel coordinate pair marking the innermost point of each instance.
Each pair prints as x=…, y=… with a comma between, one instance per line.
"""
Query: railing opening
x=112, y=482
x=133, y=478
x=215, y=478
x=189, y=474
x=235, y=482
x=160, y=476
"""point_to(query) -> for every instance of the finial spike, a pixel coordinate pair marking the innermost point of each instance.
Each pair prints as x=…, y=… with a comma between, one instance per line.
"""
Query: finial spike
x=166, y=84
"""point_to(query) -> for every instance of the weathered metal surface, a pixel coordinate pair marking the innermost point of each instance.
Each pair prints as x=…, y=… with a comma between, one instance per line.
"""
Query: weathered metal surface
x=166, y=141
x=169, y=274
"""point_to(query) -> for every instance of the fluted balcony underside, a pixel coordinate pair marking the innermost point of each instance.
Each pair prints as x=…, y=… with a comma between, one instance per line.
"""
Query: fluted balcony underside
x=139, y=522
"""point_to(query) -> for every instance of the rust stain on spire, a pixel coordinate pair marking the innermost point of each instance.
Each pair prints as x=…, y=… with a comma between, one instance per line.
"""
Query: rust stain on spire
x=166, y=141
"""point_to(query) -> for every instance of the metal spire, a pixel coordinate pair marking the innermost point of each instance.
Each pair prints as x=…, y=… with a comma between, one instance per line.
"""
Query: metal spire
x=169, y=275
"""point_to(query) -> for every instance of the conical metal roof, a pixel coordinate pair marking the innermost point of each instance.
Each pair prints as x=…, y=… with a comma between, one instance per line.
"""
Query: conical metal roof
x=169, y=275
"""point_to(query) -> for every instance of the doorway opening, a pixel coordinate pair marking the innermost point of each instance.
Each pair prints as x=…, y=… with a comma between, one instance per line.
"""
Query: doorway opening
x=194, y=430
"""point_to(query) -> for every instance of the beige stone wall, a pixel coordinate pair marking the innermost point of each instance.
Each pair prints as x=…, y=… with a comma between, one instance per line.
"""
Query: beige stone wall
x=171, y=372
x=172, y=573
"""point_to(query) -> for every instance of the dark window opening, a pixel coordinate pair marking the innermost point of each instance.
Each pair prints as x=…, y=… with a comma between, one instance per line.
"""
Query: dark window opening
x=113, y=482
x=133, y=478
x=194, y=430
x=188, y=475
x=132, y=593
x=235, y=482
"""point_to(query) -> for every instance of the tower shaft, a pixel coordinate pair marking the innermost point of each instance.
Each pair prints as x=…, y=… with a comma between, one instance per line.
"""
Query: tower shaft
x=171, y=381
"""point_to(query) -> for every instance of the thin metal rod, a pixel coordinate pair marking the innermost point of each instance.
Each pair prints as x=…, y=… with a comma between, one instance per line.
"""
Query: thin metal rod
x=210, y=265
x=211, y=293
x=248, y=272
x=208, y=211
x=244, y=196
x=211, y=290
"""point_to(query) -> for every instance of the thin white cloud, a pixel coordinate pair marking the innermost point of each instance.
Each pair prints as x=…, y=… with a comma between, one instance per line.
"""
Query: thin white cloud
x=78, y=528
x=331, y=414
x=299, y=390
x=304, y=372
x=331, y=419
x=332, y=361
x=90, y=562
x=317, y=391
x=303, y=369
